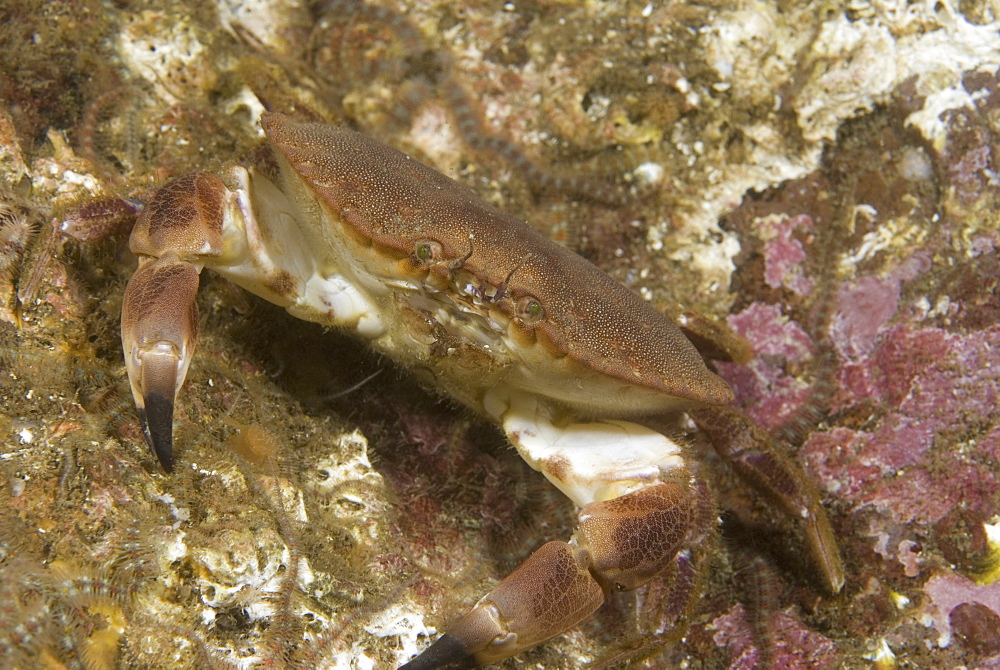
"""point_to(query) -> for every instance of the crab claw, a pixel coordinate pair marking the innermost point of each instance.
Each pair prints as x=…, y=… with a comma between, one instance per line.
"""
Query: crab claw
x=620, y=544
x=179, y=228
x=159, y=328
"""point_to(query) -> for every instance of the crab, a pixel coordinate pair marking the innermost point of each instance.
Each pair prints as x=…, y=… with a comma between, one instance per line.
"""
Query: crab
x=571, y=365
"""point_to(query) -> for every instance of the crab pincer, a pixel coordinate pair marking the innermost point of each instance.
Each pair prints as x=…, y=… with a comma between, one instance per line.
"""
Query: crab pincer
x=175, y=232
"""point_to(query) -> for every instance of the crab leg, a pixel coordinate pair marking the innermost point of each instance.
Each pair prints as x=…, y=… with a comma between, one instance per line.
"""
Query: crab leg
x=637, y=512
x=176, y=231
x=750, y=452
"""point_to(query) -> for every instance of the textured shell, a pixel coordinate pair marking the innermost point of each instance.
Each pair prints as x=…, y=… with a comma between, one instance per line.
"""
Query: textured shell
x=393, y=200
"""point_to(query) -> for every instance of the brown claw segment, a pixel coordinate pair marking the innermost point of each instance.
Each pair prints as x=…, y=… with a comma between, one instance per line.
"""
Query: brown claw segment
x=751, y=453
x=633, y=537
x=159, y=328
x=623, y=543
x=544, y=596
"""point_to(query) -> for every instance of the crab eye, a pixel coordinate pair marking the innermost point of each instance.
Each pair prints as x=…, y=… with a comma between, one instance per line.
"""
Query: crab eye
x=426, y=251
x=529, y=309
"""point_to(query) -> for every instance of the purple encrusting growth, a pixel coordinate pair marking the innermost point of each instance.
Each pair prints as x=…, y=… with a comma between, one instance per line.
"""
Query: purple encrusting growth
x=793, y=645
x=968, y=172
x=865, y=307
x=784, y=254
x=920, y=383
x=769, y=395
x=863, y=310
x=933, y=386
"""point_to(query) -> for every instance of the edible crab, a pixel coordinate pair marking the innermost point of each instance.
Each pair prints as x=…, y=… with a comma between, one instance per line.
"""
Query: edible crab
x=344, y=231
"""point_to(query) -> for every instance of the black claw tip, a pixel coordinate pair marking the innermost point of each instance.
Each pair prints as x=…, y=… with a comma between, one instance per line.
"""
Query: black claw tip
x=447, y=652
x=157, y=419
